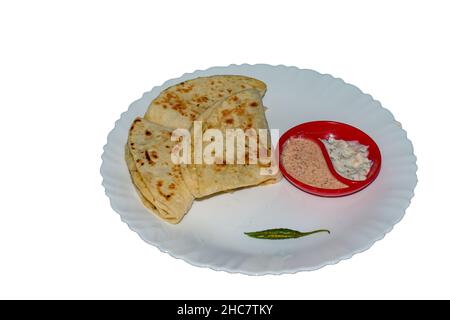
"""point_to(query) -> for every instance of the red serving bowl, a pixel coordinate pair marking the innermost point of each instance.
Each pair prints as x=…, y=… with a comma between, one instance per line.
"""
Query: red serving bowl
x=322, y=130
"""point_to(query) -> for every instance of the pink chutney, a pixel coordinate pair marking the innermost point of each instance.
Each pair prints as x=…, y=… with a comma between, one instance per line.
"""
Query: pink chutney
x=303, y=160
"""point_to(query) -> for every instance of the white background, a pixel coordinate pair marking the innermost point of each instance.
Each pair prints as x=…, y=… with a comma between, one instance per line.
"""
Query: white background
x=69, y=68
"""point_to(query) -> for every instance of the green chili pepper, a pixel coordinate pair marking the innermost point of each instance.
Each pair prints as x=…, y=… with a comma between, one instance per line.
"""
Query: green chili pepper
x=281, y=233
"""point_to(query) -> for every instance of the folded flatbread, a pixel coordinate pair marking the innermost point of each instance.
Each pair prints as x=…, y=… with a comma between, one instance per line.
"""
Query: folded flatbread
x=178, y=106
x=221, y=102
x=158, y=180
x=243, y=110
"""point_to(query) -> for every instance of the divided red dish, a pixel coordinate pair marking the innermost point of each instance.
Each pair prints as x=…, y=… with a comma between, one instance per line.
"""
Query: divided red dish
x=317, y=130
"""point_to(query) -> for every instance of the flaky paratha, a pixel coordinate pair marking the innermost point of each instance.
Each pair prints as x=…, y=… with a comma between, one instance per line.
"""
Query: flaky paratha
x=243, y=110
x=157, y=178
x=168, y=189
x=178, y=106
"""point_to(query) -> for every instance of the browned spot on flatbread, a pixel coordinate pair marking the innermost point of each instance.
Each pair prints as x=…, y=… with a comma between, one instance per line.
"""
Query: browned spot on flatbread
x=229, y=121
x=219, y=166
x=148, y=133
x=226, y=112
x=254, y=104
x=176, y=172
x=154, y=154
x=185, y=89
x=170, y=96
x=159, y=184
x=178, y=105
x=202, y=99
x=240, y=111
x=149, y=159
x=174, y=101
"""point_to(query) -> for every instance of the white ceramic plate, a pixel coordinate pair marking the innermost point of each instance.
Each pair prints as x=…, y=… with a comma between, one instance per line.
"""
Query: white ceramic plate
x=212, y=233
